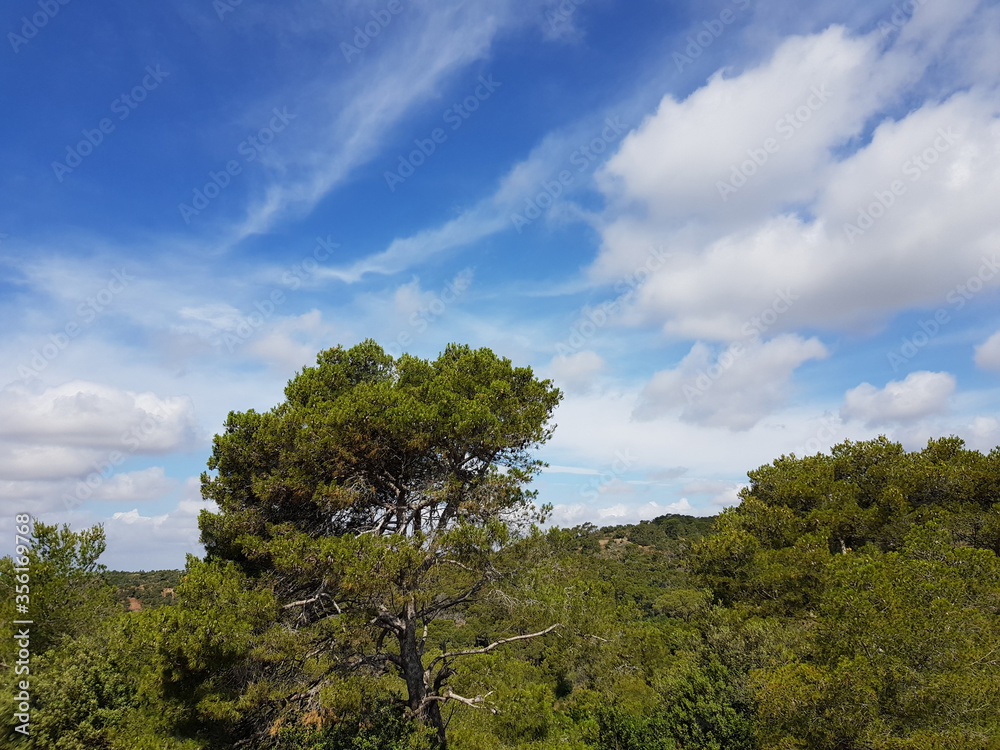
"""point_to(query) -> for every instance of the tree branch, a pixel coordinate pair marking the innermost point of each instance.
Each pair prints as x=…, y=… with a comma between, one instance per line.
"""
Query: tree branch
x=476, y=702
x=487, y=649
x=312, y=600
x=430, y=612
x=389, y=621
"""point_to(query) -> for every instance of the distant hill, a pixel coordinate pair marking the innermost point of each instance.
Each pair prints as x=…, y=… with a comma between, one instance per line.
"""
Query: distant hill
x=671, y=532
x=145, y=589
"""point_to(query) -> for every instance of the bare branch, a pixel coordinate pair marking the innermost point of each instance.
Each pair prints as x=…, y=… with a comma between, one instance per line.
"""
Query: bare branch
x=445, y=561
x=301, y=602
x=313, y=600
x=487, y=649
x=476, y=702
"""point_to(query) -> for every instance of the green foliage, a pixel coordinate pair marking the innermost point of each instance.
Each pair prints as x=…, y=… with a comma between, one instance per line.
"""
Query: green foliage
x=377, y=725
x=67, y=595
x=851, y=602
x=798, y=514
x=903, y=644
x=380, y=495
x=154, y=588
x=882, y=563
x=88, y=658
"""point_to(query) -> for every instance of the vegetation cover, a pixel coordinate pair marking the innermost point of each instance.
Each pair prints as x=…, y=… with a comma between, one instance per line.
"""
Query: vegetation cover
x=144, y=589
x=378, y=575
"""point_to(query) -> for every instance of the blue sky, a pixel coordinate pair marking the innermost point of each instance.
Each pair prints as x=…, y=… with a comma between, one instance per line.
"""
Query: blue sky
x=728, y=230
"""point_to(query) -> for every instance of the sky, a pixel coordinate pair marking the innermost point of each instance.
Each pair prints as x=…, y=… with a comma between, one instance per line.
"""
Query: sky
x=728, y=231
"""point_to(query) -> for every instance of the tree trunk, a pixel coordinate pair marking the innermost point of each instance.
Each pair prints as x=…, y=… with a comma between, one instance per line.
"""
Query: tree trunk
x=417, y=687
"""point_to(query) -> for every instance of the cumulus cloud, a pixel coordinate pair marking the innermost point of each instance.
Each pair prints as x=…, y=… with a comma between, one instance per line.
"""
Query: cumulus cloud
x=721, y=493
x=53, y=440
x=736, y=390
x=285, y=341
x=576, y=372
x=620, y=513
x=292, y=342
x=132, y=536
x=813, y=91
x=983, y=434
x=766, y=181
x=93, y=415
x=136, y=486
x=919, y=395
x=988, y=353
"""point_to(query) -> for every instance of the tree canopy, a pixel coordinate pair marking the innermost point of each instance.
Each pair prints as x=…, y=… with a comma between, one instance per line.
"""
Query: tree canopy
x=377, y=497
x=375, y=579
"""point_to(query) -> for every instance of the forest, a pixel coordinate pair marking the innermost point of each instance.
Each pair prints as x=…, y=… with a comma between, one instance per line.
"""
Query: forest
x=379, y=575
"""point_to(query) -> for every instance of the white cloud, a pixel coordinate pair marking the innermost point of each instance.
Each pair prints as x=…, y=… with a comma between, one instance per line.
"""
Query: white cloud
x=983, y=434
x=136, y=486
x=784, y=229
x=95, y=416
x=566, y=515
x=291, y=343
x=613, y=515
x=576, y=371
x=556, y=469
x=988, y=353
x=515, y=191
x=674, y=160
x=919, y=395
x=51, y=441
x=666, y=475
x=707, y=487
x=156, y=542
x=720, y=492
x=621, y=513
x=735, y=390
x=210, y=319
x=616, y=486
